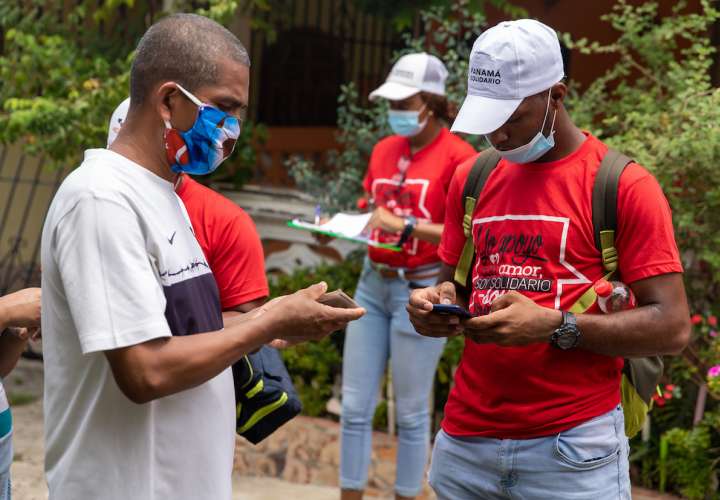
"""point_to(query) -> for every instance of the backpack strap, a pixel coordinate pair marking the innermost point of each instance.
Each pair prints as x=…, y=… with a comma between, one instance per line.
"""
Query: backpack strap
x=604, y=214
x=478, y=176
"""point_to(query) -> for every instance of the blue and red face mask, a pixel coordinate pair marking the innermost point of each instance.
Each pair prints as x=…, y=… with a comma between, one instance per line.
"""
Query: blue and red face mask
x=202, y=148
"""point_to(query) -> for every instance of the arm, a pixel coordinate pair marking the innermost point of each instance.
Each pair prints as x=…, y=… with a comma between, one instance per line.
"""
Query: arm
x=387, y=221
x=660, y=325
x=239, y=314
x=19, y=309
x=165, y=366
x=11, y=347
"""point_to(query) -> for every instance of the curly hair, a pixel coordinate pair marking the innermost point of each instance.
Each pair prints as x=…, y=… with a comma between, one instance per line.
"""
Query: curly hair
x=441, y=108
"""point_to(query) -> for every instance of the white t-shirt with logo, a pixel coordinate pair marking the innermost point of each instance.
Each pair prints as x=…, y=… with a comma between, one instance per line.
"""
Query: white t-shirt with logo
x=121, y=266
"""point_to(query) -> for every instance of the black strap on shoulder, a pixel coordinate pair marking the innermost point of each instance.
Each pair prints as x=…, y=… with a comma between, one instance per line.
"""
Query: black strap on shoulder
x=478, y=176
x=481, y=169
x=605, y=193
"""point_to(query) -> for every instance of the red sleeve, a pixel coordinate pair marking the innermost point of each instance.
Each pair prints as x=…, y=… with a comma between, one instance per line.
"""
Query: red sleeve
x=645, y=239
x=464, y=151
x=453, y=237
x=460, y=152
x=237, y=260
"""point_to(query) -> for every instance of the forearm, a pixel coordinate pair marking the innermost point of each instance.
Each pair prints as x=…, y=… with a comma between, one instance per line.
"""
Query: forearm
x=428, y=231
x=11, y=348
x=659, y=325
x=166, y=366
x=645, y=331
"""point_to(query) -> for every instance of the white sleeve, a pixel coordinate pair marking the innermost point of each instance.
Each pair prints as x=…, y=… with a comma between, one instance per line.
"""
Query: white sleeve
x=111, y=287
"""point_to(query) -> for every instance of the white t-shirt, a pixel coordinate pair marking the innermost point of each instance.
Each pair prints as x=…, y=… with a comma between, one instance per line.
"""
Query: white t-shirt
x=121, y=266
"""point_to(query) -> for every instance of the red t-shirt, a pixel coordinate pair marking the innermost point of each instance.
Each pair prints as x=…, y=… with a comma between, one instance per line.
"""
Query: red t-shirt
x=533, y=233
x=229, y=241
x=422, y=194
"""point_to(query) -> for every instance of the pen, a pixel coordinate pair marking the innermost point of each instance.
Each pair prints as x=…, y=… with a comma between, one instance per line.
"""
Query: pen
x=318, y=211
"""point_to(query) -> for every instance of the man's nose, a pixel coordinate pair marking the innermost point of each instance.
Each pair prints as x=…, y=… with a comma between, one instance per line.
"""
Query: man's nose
x=498, y=137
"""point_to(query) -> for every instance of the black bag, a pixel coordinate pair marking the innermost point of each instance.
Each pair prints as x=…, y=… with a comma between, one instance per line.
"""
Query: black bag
x=265, y=397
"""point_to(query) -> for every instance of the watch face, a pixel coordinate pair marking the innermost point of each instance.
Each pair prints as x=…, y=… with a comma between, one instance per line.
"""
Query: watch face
x=566, y=337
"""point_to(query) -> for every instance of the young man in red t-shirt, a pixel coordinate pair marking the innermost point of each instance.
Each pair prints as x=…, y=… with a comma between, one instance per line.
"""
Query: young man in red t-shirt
x=531, y=416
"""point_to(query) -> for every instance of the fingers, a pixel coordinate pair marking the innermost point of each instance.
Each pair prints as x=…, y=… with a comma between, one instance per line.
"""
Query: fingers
x=447, y=292
x=339, y=315
x=424, y=298
x=504, y=301
x=482, y=323
x=431, y=324
x=315, y=291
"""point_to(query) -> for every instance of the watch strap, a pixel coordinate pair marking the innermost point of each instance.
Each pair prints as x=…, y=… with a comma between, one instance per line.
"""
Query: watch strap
x=410, y=224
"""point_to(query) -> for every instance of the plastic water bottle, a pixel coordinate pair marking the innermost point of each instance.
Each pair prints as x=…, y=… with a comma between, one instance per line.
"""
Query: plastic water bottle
x=614, y=296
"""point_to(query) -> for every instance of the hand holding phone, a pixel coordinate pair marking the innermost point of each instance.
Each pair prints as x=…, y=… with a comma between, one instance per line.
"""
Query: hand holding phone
x=338, y=298
x=451, y=310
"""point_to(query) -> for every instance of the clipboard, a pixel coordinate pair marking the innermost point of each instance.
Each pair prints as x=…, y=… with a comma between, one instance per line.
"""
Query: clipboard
x=313, y=228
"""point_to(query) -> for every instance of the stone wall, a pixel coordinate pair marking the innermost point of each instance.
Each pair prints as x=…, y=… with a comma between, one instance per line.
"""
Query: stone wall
x=307, y=450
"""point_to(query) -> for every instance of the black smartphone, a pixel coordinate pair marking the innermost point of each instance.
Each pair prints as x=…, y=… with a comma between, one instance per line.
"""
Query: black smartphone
x=451, y=310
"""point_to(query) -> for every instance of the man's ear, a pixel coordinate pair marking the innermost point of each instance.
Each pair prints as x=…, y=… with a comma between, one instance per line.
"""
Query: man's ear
x=164, y=97
x=558, y=93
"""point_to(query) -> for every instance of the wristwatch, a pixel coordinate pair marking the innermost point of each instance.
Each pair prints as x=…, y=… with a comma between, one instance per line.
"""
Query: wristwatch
x=410, y=224
x=568, y=335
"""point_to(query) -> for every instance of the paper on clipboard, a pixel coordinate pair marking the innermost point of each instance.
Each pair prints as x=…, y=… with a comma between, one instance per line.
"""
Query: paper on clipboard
x=345, y=226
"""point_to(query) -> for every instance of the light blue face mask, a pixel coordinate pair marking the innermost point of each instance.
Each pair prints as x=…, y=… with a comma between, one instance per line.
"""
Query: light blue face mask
x=536, y=148
x=406, y=123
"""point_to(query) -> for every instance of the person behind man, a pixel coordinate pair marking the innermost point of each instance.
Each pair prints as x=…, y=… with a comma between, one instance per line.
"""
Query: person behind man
x=534, y=412
x=139, y=398
x=19, y=316
x=225, y=232
x=407, y=179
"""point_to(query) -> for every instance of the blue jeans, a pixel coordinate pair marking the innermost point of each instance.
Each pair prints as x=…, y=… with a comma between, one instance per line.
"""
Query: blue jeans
x=589, y=461
x=385, y=331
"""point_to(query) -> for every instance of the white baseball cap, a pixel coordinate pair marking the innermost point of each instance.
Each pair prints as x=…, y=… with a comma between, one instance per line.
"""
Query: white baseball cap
x=116, y=120
x=413, y=73
x=508, y=63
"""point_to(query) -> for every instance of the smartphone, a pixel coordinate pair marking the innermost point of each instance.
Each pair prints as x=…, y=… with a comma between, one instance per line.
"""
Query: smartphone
x=451, y=310
x=338, y=298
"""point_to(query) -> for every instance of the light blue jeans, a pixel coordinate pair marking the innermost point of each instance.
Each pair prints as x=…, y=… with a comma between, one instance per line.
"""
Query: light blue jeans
x=588, y=462
x=385, y=332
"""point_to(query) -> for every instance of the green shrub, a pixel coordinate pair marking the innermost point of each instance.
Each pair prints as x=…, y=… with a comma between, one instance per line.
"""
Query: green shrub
x=63, y=70
x=692, y=460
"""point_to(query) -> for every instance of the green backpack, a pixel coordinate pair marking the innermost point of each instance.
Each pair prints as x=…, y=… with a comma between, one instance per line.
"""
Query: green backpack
x=640, y=375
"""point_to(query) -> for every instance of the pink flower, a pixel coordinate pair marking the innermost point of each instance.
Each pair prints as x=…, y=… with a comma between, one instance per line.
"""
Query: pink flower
x=712, y=321
x=670, y=387
x=696, y=319
x=713, y=333
x=714, y=371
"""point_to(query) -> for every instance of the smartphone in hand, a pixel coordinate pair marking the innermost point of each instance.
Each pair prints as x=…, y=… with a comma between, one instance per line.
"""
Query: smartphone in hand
x=338, y=298
x=451, y=310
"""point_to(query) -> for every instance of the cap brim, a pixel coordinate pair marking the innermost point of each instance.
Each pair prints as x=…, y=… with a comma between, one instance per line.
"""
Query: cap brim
x=481, y=115
x=393, y=91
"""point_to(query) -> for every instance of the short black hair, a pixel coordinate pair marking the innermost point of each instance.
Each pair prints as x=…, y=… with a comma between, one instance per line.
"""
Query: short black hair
x=184, y=48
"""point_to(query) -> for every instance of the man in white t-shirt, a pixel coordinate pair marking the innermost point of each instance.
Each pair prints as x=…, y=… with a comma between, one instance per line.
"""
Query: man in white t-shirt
x=139, y=398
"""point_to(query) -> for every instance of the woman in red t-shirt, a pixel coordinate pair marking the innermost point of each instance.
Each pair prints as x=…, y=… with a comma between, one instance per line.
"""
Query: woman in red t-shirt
x=406, y=183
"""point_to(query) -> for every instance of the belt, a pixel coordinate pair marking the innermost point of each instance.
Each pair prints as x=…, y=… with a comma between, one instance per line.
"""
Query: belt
x=418, y=273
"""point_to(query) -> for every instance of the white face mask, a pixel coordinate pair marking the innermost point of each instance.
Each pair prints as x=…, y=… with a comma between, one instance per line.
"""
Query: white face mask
x=538, y=145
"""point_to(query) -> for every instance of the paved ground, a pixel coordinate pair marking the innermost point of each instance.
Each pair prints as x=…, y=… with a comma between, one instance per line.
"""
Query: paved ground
x=25, y=384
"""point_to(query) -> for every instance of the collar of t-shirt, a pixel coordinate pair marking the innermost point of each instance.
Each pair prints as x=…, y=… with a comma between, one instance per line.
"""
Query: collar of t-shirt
x=417, y=155
x=128, y=164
